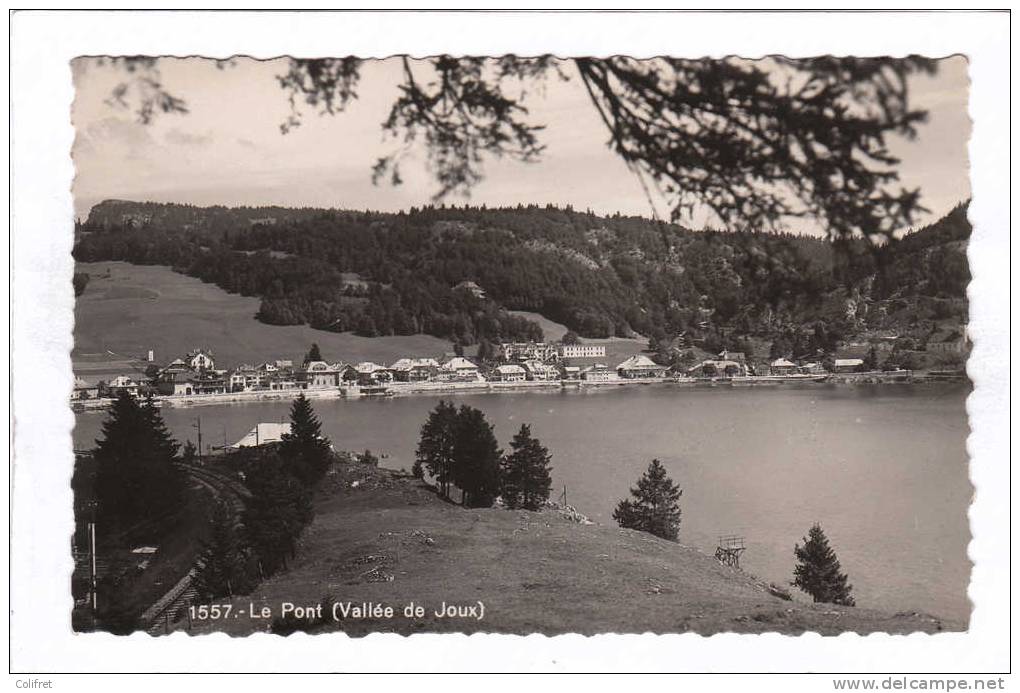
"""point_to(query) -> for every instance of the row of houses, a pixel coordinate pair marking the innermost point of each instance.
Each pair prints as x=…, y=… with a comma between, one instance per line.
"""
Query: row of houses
x=196, y=373
x=86, y=389
x=734, y=364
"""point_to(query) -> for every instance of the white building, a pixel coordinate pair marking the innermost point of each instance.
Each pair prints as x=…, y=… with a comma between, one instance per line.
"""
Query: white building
x=245, y=378
x=581, y=351
x=200, y=360
x=122, y=383
x=847, y=365
x=511, y=373
x=598, y=373
x=472, y=288
x=526, y=351
x=460, y=369
x=320, y=374
x=83, y=389
x=414, y=370
x=640, y=366
x=370, y=373
x=263, y=434
x=783, y=366
x=541, y=371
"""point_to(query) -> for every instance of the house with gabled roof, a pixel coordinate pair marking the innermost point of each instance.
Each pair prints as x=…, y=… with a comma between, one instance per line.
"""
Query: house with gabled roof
x=537, y=370
x=175, y=366
x=459, y=369
x=640, y=366
x=510, y=373
x=847, y=365
x=115, y=386
x=568, y=372
x=471, y=288
x=415, y=370
x=320, y=374
x=737, y=356
x=84, y=389
x=598, y=372
x=782, y=366
x=369, y=373
x=200, y=360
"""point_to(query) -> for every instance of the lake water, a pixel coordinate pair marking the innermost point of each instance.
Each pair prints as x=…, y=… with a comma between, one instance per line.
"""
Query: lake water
x=882, y=468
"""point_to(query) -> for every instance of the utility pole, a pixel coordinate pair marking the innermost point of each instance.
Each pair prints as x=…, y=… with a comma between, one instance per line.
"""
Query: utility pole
x=92, y=565
x=93, y=582
x=198, y=425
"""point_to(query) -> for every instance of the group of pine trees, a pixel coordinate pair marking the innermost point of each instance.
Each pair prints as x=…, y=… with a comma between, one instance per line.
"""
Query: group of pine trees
x=458, y=449
x=136, y=482
x=138, y=488
x=654, y=507
x=281, y=479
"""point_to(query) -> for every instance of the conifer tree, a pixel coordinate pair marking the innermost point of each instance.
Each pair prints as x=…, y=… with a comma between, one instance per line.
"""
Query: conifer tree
x=655, y=507
x=279, y=509
x=136, y=479
x=486, y=352
x=313, y=353
x=305, y=449
x=435, y=446
x=818, y=571
x=526, y=478
x=222, y=572
x=870, y=360
x=476, y=458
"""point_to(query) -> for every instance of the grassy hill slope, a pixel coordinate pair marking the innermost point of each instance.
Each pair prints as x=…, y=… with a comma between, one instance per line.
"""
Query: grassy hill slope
x=129, y=309
x=383, y=537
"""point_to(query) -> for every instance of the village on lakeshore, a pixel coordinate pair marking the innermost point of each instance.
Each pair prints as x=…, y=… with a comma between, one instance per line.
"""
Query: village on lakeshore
x=195, y=376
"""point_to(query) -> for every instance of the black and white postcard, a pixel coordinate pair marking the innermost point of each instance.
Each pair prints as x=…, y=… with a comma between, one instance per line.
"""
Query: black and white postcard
x=535, y=339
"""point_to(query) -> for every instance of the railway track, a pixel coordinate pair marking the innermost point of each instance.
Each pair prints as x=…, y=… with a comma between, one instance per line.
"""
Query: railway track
x=159, y=618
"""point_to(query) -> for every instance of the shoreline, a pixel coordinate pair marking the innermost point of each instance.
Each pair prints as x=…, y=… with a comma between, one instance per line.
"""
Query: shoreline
x=431, y=388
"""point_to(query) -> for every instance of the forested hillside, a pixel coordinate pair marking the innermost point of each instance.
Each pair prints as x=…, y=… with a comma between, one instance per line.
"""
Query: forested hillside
x=382, y=274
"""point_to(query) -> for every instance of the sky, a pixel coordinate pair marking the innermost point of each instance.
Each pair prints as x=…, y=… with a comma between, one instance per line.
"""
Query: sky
x=228, y=148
